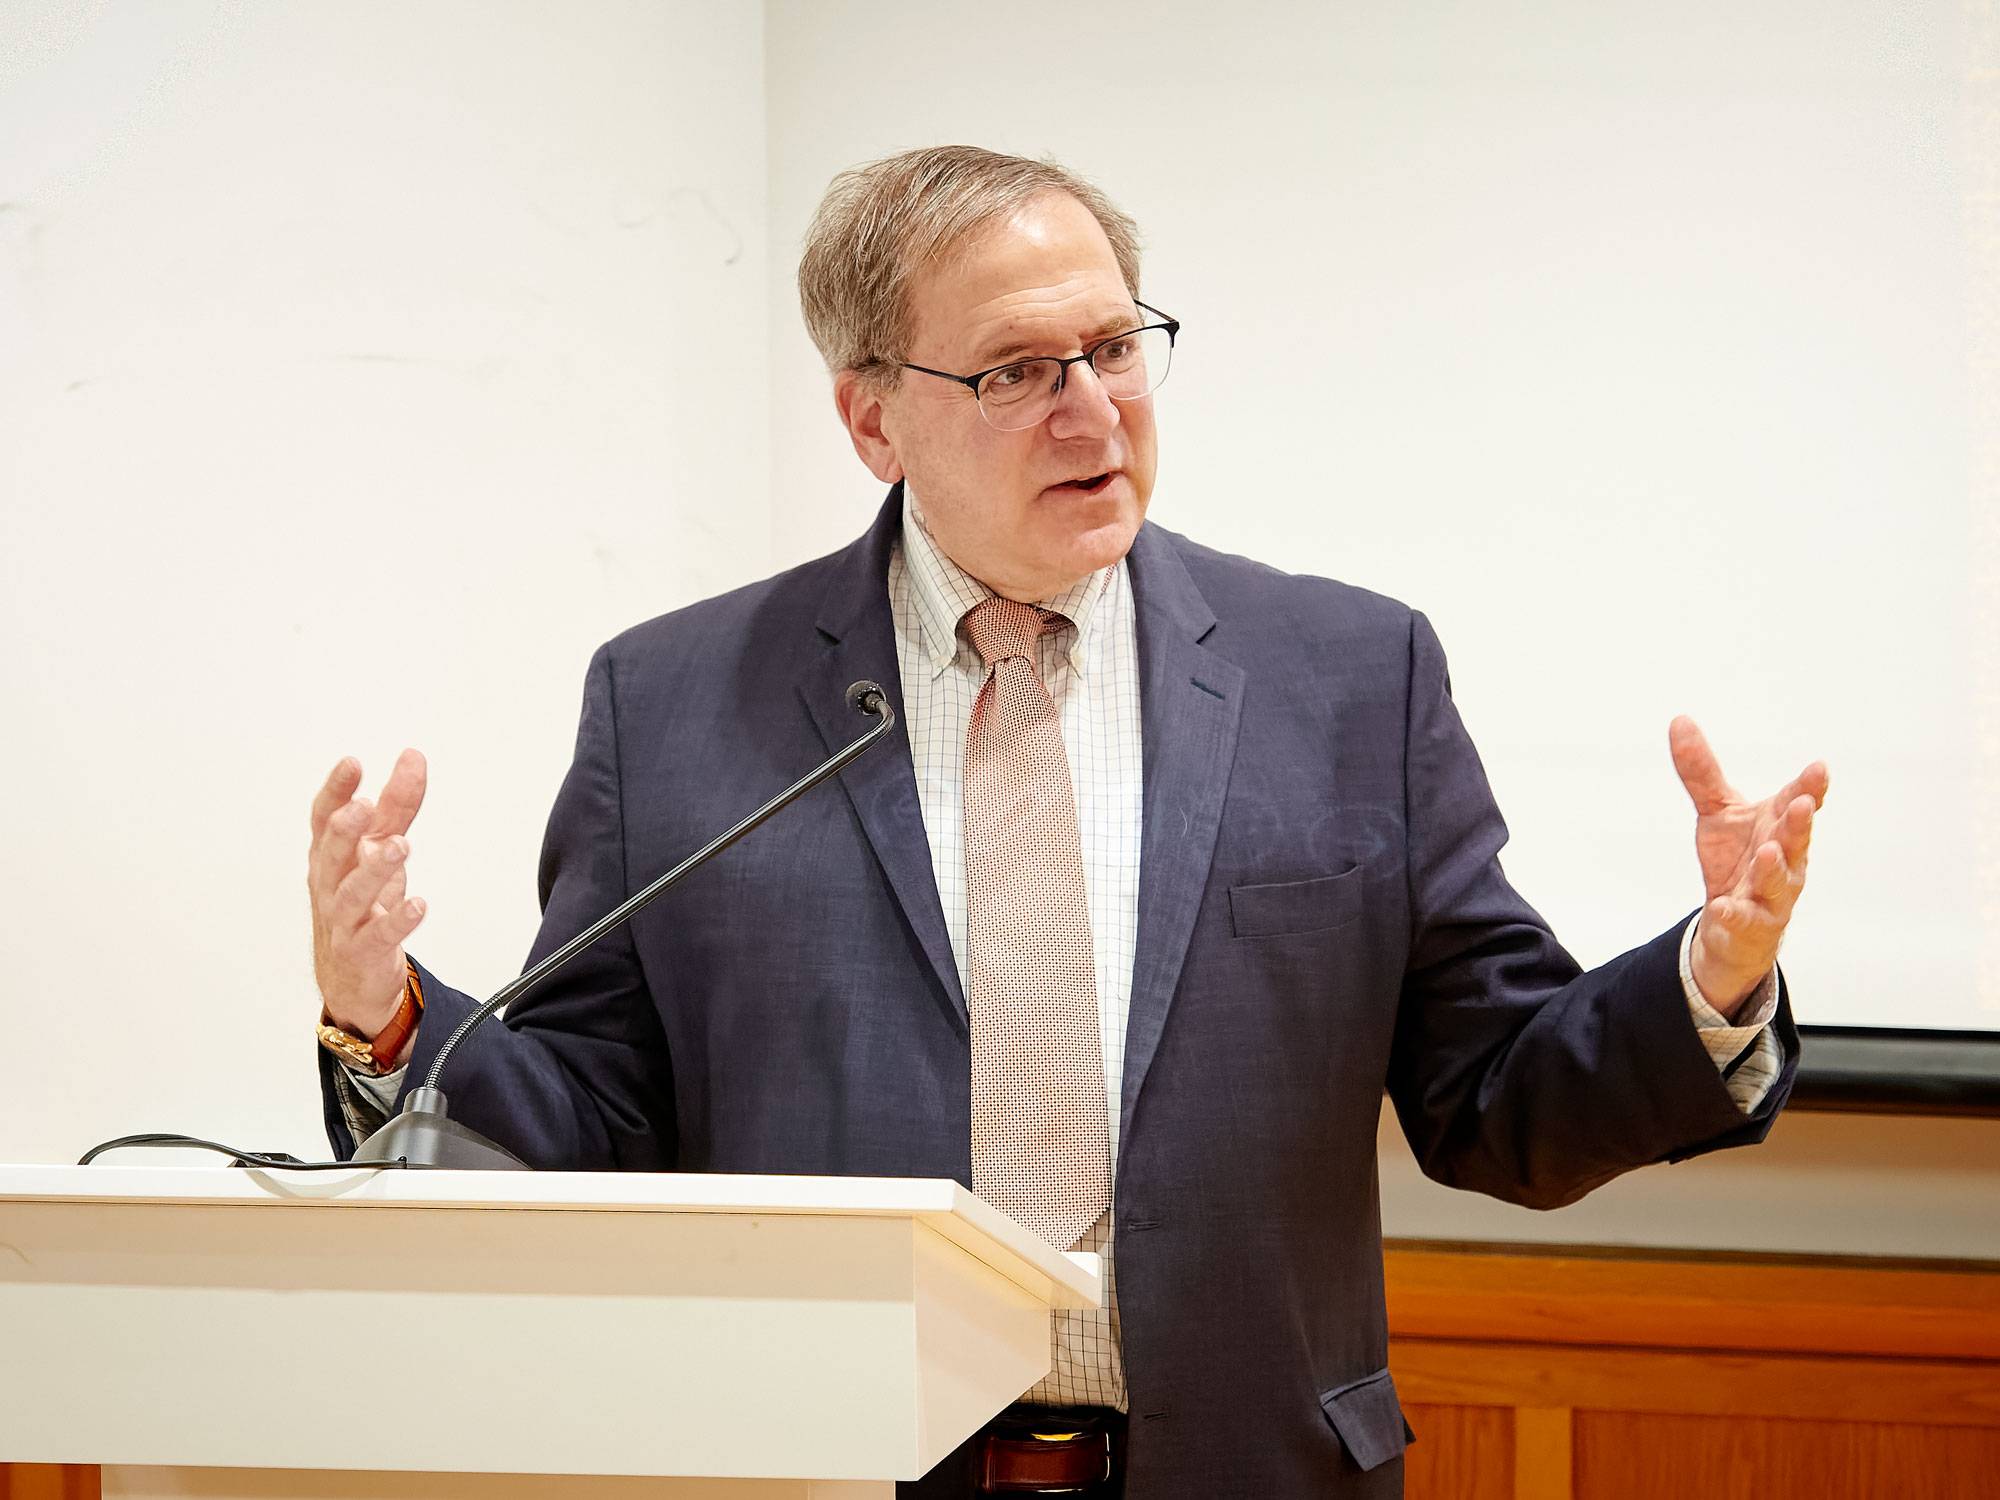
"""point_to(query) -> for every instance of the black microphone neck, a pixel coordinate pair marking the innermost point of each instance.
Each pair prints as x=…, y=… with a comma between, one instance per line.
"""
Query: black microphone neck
x=421, y=1134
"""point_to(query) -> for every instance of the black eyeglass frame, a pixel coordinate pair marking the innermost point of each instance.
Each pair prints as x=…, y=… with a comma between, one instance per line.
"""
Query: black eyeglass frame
x=971, y=382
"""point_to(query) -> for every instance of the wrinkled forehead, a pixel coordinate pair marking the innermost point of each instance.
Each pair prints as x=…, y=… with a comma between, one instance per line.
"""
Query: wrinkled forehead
x=1042, y=279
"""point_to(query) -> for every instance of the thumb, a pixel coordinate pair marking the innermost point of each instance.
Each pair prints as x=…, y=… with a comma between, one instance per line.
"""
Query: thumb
x=1697, y=766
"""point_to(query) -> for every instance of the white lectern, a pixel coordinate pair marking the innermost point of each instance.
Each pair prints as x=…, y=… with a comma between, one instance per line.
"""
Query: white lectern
x=425, y=1335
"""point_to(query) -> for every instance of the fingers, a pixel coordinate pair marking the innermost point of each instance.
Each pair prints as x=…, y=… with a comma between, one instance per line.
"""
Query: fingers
x=1771, y=884
x=1794, y=830
x=402, y=795
x=340, y=784
x=1699, y=770
x=1767, y=877
x=1816, y=779
x=341, y=820
x=377, y=863
x=388, y=932
x=1811, y=782
x=391, y=894
x=333, y=852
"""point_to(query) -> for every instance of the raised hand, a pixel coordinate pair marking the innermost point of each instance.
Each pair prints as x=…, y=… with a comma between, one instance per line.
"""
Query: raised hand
x=356, y=875
x=1753, y=866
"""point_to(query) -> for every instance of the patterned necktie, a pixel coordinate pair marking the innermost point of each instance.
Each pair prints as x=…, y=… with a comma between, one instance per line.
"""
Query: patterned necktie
x=1041, y=1150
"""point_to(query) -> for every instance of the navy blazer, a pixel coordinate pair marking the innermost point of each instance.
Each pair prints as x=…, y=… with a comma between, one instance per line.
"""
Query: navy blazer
x=1322, y=915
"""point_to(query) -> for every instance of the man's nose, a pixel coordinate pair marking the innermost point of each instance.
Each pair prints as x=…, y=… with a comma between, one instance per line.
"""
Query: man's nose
x=1082, y=408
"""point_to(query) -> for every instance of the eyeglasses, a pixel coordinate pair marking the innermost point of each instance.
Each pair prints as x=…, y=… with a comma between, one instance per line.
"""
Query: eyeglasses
x=1016, y=396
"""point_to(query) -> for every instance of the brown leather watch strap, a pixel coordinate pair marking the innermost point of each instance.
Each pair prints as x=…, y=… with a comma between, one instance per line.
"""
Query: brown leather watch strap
x=380, y=1054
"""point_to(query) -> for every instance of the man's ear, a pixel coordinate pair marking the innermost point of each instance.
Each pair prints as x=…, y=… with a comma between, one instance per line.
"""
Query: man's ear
x=859, y=401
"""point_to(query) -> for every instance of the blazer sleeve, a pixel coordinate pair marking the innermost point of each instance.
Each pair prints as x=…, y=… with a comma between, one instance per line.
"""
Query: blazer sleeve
x=1513, y=1072
x=575, y=1074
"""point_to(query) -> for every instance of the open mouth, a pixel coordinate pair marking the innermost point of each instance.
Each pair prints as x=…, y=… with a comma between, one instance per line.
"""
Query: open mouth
x=1096, y=484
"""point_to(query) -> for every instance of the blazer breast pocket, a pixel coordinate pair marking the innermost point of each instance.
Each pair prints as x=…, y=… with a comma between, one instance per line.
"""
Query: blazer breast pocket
x=1317, y=905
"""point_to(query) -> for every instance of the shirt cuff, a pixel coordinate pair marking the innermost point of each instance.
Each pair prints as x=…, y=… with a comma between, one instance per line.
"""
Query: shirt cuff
x=379, y=1088
x=1745, y=1050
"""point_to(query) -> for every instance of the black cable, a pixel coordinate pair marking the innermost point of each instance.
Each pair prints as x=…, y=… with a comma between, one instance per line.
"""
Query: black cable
x=239, y=1158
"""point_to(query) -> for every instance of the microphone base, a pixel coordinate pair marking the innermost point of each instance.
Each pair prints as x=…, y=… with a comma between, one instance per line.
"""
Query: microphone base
x=424, y=1136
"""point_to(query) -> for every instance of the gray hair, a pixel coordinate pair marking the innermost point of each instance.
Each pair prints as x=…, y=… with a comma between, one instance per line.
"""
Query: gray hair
x=883, y=222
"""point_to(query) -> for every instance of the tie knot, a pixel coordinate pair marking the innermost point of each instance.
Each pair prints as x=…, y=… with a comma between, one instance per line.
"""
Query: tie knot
x=1001, y=628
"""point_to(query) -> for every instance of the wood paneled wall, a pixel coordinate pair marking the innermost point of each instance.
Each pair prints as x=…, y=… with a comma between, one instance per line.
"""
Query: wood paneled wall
x=48, y=1482
x=1603, y=1375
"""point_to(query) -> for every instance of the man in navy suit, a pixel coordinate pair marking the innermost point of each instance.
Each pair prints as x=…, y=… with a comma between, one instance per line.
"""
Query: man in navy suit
x=1288, y=848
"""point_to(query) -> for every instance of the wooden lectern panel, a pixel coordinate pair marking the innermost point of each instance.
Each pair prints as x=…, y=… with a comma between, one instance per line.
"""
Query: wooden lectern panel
x=742, y=1329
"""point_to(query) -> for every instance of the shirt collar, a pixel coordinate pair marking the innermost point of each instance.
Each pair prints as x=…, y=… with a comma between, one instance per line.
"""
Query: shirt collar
x=944, y=592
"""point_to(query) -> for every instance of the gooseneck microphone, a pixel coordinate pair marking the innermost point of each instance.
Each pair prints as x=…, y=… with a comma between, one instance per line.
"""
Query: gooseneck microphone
x=422, y=1135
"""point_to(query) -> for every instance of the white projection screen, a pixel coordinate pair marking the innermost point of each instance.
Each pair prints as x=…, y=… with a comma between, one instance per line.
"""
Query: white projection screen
x=1651, y=351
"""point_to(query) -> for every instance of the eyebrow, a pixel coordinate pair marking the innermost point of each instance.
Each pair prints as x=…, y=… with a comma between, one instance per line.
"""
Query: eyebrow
x=1000, y=354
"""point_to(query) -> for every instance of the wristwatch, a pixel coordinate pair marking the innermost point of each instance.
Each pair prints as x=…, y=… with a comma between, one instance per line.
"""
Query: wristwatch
x=378, y=1055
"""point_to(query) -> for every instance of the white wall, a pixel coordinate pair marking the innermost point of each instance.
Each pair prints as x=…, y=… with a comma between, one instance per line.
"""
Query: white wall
x=1627, y=341
x=361, y=368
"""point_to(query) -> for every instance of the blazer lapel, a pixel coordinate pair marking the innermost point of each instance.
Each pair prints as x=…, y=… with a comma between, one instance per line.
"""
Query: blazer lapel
x=1190, y=705
x=857, y=639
